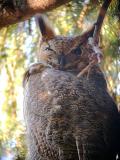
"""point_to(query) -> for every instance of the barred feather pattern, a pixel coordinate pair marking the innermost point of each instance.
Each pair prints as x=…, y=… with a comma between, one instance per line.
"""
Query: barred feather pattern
x=70, y=118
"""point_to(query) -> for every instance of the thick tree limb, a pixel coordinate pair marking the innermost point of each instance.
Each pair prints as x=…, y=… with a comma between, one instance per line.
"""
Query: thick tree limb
x=13, y=11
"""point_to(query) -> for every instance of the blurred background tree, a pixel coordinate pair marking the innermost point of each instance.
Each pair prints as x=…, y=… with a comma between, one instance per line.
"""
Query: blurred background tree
x=19, y=45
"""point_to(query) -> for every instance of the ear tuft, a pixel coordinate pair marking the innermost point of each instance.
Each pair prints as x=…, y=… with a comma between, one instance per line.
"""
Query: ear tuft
x=45, y=27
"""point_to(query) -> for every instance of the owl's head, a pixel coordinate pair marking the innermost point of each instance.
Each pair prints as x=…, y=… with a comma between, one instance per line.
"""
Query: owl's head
x=64, y=52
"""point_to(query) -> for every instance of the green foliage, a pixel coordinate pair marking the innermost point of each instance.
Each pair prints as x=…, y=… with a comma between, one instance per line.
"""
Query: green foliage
x=12, y=69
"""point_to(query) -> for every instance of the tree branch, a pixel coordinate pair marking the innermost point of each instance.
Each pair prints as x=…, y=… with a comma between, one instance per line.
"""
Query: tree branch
x=13, y=11
x=100, y=19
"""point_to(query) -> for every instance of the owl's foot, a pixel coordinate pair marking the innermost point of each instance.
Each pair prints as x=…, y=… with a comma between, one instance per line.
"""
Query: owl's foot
x=34, y=69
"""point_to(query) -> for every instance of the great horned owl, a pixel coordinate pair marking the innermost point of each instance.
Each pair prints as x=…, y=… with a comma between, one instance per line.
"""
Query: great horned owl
x=68, y=117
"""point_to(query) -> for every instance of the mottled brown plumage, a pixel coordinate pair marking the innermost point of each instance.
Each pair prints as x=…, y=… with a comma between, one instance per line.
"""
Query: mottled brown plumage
x=69, y=117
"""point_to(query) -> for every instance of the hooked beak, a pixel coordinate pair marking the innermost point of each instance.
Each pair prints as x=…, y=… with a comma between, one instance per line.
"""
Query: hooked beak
x=62, y=61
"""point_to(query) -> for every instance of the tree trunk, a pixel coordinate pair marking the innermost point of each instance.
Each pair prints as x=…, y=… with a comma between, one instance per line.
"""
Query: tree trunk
x=13, y=11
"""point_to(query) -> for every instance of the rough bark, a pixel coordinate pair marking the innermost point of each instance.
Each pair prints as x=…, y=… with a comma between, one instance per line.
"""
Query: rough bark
x=13, y=11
